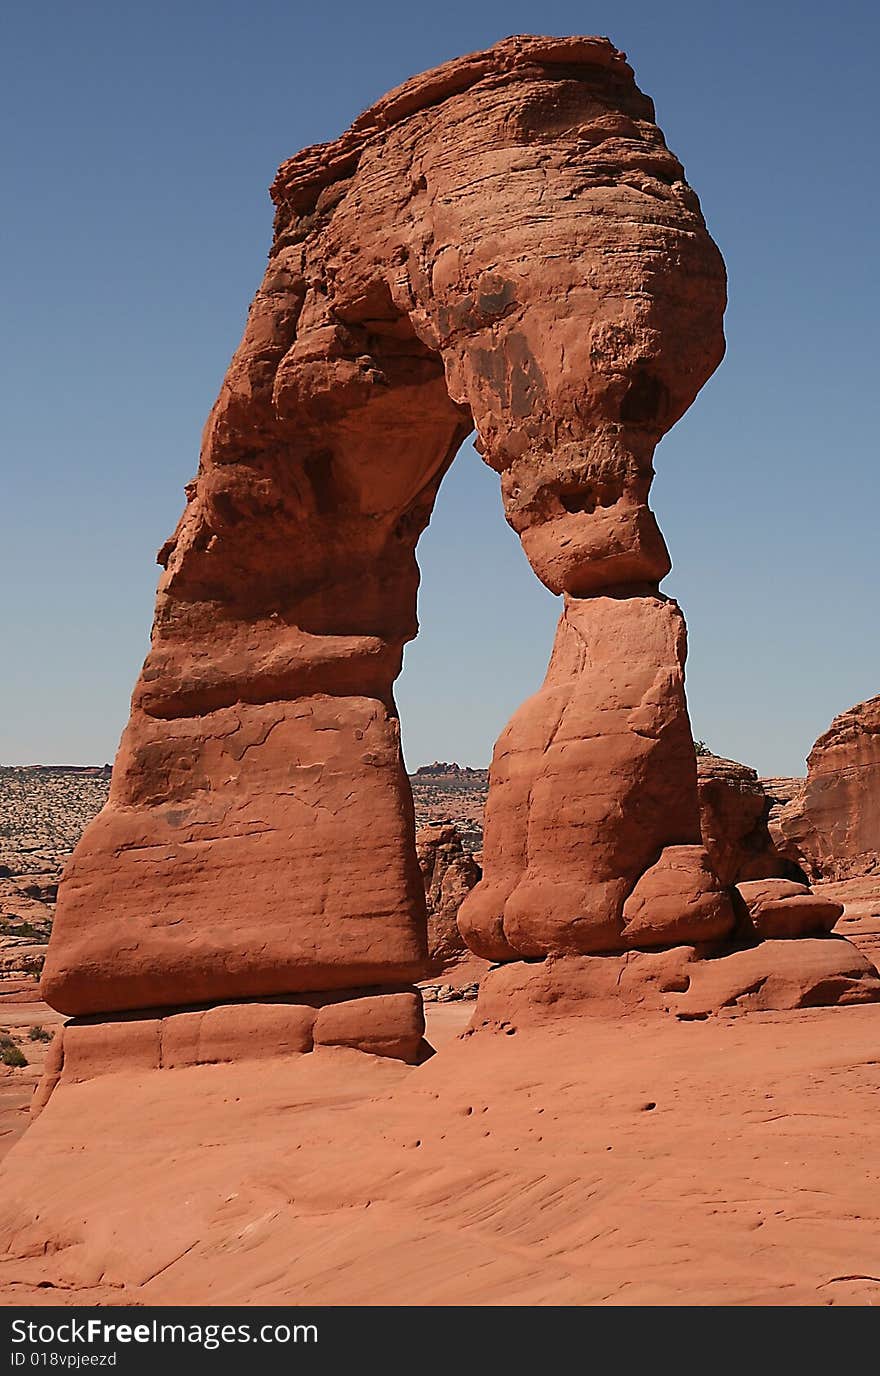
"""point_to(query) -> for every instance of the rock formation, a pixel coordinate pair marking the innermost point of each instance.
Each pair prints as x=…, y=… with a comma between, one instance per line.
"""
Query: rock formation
x=449, y=873
x=449, y=770
x=785, y=908
x=780, y=791
x=734, y=816
x=505, y=244
x=832, y=823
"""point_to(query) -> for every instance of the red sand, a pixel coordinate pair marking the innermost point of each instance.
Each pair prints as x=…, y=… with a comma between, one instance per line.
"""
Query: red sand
x=732, y=1161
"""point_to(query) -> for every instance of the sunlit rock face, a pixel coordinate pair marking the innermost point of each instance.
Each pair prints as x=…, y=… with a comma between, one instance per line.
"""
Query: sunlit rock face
x=831, y=824
x=503, y=244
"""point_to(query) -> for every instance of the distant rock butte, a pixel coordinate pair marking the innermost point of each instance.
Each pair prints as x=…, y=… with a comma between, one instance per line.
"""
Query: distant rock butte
x=440, y=767
x=504, y=244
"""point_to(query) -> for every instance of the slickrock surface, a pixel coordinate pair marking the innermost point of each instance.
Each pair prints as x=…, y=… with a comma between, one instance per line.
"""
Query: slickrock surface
x=860, y=922
x=832, y=824
x=656, y=1162
x=29, y=1027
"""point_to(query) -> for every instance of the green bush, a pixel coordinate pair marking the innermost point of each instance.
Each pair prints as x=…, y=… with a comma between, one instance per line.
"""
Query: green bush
x=39, y=1034
x=10, y=1054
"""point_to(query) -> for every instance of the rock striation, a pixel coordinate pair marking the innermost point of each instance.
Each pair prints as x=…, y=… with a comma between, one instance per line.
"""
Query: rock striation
x=832, y=822
x=785, y=908
x=734, y=819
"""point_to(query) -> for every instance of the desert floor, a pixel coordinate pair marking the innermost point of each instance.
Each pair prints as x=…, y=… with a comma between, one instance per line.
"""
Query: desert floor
x=633, y=1162
x=639, y=1161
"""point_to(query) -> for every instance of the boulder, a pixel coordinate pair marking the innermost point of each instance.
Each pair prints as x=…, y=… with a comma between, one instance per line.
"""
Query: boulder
x=678, y=901
x=781, y=908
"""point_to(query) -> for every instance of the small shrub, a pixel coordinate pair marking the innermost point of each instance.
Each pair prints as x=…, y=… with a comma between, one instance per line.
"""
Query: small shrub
x=39, y=1034
x=41, y=933
x=701, y=748
x=10, y=1054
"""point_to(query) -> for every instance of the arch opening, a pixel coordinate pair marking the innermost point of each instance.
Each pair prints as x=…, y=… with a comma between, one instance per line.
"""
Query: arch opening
x=485, y=622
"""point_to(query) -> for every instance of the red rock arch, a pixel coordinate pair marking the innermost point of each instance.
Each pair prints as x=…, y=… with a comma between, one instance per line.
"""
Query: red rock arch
x=505, y=243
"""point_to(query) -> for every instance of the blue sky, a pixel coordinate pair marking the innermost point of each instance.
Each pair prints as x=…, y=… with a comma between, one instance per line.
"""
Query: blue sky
x=139, y=143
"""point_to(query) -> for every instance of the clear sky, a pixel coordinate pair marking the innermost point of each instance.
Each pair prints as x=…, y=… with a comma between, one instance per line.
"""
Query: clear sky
x=140, y=140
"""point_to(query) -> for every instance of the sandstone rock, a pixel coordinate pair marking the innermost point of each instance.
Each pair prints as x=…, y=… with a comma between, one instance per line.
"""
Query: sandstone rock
x=860, y=922
x=383, y=1025
x=427, y=276
x=781, y=790
x=237, y=1031
x=52, y=1068
x=593, y=778
x=806, y=915
x=446, y=770
x=811, y=973
x=271, y=854
x=19, y=909
x=734, y=814
x=521, y=993
x=677, y=901
x=658, y=1162
x=42, y=887
x=833, y=822
x=505, y=243
x=771, y=976
x=449, y=874
x=21, y=964
x=780, y=908
x=754, y=892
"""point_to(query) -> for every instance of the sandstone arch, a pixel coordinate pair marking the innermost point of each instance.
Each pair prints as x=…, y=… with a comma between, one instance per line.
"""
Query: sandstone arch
x=503, y=243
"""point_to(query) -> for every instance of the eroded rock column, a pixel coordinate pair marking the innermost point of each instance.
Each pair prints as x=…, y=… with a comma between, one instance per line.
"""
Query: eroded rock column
x=592, y=827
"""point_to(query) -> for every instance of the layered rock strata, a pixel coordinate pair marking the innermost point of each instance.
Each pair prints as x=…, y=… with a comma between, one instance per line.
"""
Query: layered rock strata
x=449, y=873
x=832, y=823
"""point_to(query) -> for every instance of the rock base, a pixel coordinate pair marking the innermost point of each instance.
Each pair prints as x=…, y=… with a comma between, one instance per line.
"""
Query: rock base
x=381, y=1023
x=685, y=981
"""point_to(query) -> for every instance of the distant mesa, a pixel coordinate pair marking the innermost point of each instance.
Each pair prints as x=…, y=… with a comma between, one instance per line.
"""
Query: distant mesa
x=88, y=769
x=446, y=770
